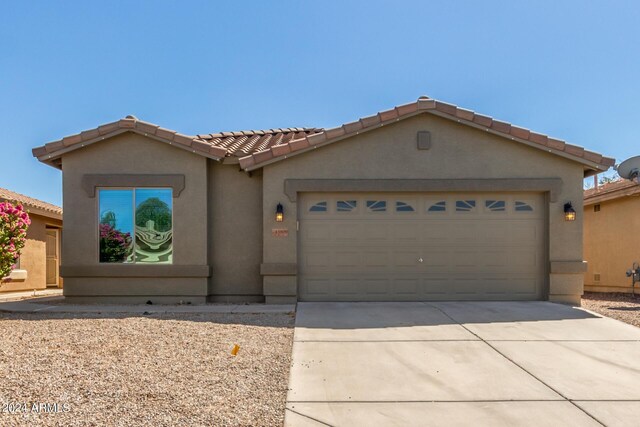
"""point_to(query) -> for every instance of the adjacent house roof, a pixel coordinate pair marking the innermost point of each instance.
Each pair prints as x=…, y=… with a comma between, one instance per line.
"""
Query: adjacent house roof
x=34, y=205
x=257, y=148
x=611, y=191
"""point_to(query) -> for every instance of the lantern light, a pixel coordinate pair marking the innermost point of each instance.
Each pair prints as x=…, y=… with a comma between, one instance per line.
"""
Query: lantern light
x=569, y=212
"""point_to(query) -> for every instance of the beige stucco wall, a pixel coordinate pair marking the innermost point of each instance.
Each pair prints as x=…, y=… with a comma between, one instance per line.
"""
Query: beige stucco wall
x=131, y=153
x=33, y=257
x=611, y=243
x=457, y=152
x=235, y=233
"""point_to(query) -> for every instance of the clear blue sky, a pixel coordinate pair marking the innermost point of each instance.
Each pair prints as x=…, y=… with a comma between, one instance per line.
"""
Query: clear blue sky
x=566, y=68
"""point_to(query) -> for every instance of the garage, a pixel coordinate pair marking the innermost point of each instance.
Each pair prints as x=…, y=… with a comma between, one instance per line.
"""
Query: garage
x=421, y=246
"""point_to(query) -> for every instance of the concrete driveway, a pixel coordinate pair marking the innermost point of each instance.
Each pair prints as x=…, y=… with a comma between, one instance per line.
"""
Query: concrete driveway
x=461, y=364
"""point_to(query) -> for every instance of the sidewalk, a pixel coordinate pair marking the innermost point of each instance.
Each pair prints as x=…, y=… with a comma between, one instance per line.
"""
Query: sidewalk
x=22, y=295
x=38, y=304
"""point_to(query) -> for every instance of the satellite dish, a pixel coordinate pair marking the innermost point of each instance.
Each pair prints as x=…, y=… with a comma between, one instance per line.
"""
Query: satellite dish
x=630, y=168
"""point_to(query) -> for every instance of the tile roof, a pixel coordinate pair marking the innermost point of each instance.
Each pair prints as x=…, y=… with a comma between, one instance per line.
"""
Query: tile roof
x=424, y=104
x=42, y=207
x=243, y=143
x=213, y=145
x=256, y=148
x=611, y=190
x=51, y=152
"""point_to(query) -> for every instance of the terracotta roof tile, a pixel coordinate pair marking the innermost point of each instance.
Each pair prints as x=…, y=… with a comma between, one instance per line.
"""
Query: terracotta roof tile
x=70, y=140
x=519, y=132
x=272, y=144
x=29, y=202
x=465, y=114
x=482, y=120
x=352, y=127
x=388, y=115
x=424, y=104
x=557, y=144
x=502, y=127
x=574, y=150
x=446, y=108
x=538, y=138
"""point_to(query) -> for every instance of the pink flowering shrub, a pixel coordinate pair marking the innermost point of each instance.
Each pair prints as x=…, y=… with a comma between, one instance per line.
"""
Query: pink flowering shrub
x=14, y=221
x=115, y=246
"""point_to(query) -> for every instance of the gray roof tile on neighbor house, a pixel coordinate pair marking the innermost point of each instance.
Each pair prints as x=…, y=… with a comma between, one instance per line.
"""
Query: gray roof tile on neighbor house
x=29, y=202
x=258, y=158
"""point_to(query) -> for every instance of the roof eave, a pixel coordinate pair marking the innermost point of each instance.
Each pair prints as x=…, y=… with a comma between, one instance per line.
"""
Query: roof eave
x=591, y=167
x=53, y=151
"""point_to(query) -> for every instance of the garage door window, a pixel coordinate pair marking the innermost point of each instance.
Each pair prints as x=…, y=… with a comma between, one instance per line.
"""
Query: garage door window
x=346, y=205
x=377, y=205
x=523, y=207
x=465, y=205
x=440, y=206
x=404, y=207
x=495, y=205
x=318, y=207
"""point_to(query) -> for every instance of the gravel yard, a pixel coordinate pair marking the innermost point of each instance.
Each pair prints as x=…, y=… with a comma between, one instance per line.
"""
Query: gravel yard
x=618, y=306
x=159, y=370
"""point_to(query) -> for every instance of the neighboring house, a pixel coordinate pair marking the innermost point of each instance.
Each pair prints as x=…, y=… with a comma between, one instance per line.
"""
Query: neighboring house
x=425, y=201
x=39, y=261
x=611, y=235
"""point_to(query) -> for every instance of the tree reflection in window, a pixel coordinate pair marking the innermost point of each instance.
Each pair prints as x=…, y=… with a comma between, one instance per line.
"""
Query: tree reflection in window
x=140, y=235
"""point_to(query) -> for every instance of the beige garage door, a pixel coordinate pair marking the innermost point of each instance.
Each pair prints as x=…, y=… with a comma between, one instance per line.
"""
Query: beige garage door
x=411, y=247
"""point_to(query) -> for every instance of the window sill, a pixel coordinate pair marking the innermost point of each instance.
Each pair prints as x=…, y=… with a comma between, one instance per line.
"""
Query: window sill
x=18, y=275
x=135, y=270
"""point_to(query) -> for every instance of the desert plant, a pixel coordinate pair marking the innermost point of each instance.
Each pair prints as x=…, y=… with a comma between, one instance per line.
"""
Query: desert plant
x=14, y=221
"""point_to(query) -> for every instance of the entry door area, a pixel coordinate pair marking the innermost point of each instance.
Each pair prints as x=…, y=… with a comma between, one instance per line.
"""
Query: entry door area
x=420, y=247
x=52, y=249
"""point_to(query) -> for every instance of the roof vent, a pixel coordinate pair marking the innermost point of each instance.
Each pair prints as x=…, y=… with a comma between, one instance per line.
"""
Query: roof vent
x=424, y=97
x=131, y=116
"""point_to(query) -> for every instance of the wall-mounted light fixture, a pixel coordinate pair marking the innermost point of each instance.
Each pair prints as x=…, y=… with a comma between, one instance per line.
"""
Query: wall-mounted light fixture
x=569, y=212
x=279, y=213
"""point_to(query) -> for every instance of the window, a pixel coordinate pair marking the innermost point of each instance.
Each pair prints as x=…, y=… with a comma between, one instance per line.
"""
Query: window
x=319, y=207
x=523, y=207
x=465, y=205
x=377, y=205
x=440, y=206
x=136, y=225
x=596, y=208
x=404, y=207
x=346, y=205
x=495, y=205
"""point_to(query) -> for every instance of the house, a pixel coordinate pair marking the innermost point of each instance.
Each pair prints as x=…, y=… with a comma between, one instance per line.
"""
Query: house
x=611, y=231
x=425, y=201
x=38, y=265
